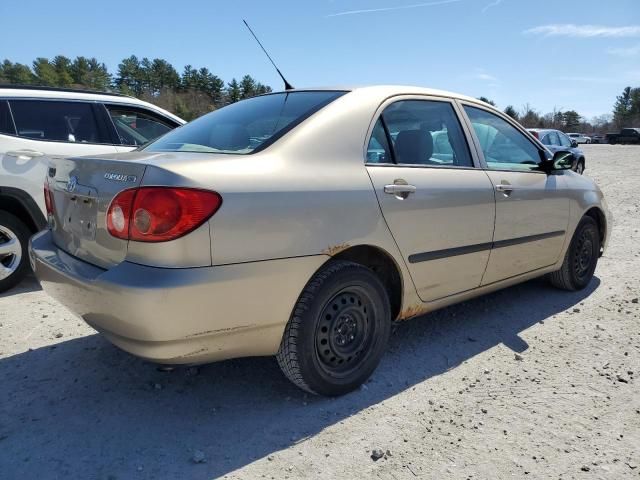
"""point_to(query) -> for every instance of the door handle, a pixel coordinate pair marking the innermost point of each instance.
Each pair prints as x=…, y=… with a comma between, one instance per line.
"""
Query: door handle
x=398, y=189
x=25, y=153
x=504, y=188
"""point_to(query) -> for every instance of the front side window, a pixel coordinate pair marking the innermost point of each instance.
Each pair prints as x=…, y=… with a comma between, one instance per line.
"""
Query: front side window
x=135, y=127
x=72, y=122
x=553, y=139
x=503, y=145
x=564, y=140
x=246, y=126
x=425, y=132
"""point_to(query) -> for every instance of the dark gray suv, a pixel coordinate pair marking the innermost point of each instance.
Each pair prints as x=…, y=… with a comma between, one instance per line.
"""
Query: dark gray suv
x=556, y=140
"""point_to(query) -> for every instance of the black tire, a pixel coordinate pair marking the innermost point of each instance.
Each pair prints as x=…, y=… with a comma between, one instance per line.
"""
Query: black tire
x=338, y=330
x=581, y=258
x=13, y=228
x=579, y=167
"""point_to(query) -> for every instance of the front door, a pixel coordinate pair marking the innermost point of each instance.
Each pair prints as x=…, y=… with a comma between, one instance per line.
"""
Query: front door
x=438, y=205
x=532, y=208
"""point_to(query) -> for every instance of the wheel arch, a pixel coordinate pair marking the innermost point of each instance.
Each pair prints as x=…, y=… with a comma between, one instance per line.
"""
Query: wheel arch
x=601, y=220
x=383, y=265
x=20, y=204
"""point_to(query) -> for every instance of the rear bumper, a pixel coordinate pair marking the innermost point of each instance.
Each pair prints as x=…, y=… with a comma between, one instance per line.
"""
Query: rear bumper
x=171, y=315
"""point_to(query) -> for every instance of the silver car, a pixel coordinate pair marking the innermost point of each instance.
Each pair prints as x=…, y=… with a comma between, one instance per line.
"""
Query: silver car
x=303, y=223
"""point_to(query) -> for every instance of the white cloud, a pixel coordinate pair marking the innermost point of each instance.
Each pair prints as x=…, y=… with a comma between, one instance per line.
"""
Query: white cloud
x=584, y=31
x=625, y=52
x=388, y=9
x=485, y=76
x=495, y=3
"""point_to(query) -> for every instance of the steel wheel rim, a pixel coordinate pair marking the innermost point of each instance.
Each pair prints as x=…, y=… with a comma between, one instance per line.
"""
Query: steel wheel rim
x=584, y=255
x=10, y=252
x=345, y=332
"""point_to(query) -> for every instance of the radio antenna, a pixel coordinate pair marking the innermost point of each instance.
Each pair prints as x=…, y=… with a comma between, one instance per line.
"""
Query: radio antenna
x=287, y=85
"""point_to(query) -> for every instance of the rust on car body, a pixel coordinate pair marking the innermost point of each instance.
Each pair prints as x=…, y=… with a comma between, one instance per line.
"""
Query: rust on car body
x=335, y=249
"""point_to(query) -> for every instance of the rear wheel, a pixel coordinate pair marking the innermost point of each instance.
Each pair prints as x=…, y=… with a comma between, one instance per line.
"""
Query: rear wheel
x=581, y=258
x=14, y=264
x=338, y=330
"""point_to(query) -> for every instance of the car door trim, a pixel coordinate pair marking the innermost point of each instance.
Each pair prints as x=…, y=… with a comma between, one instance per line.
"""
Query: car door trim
x=479, y=247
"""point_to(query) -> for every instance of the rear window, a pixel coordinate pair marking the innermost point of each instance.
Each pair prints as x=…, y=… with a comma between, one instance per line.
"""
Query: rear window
x=246, y=126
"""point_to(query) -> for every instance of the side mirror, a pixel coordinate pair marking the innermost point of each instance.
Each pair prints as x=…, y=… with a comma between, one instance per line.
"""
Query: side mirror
x=562, y=160
x=574, y=144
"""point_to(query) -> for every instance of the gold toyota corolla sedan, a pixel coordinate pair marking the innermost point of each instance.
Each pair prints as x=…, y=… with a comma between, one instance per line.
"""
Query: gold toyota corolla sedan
x=303, y=223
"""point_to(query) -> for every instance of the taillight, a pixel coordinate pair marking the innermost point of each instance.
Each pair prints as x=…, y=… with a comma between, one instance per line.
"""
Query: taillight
x=48, y=200
x=159, y=214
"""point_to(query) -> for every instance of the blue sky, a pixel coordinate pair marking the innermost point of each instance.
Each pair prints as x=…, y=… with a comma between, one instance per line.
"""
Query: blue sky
x=568, y=54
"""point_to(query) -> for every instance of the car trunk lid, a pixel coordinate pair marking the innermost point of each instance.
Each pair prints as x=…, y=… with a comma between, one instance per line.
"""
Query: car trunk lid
x=82, y=189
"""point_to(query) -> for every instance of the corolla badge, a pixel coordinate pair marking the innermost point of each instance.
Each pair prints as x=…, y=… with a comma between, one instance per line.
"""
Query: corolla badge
x=119, y=177
x=71, y=184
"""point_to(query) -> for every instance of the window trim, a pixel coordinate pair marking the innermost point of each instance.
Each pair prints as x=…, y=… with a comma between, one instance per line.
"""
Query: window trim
x=102, y=131
x=510, y=121
x=475, y=160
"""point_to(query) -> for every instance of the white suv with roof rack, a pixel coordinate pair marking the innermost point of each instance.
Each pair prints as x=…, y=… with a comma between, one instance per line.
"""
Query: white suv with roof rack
x=38, y=124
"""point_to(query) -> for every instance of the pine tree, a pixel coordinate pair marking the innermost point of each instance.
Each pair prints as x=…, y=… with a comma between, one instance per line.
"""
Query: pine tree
x=233, y=91
x=509, y=110
x=45, y=72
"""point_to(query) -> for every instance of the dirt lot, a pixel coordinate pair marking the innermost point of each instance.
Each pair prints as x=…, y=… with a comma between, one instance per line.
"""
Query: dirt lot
x=528, y=381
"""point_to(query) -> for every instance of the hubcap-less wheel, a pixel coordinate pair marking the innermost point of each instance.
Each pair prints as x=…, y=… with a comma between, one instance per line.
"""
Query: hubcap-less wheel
x=10, y=252
x=338, y=329
x=343, y=332
x=583, y=256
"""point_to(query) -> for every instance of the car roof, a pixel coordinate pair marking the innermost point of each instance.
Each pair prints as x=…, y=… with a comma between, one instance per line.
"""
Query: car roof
x=389, y=91
x=33, y=92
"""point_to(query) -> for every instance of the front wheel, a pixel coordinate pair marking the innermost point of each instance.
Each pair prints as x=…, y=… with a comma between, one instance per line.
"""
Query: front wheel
x=581, y=258
x=338, y=331
x=580, y=167
x=14, y=263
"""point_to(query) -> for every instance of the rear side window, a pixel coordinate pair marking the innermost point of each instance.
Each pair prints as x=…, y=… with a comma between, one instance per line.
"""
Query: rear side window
x=425, y=132
x=378, y=150
x=72, y=122
x=135, y=127
x=6, y=122
x=247, y=126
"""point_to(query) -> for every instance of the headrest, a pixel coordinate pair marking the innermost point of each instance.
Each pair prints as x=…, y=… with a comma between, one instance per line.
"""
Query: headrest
x=414, y=146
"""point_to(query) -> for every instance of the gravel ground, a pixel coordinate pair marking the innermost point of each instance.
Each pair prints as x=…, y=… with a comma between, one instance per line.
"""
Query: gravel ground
x=527, y=381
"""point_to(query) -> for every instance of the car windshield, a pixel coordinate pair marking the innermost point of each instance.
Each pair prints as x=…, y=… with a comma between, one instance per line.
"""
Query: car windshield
x=246, y=126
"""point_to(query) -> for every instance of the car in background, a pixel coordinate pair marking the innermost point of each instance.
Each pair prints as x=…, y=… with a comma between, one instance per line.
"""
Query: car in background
x=579, y=137
x=626, y=136
x=555, y=140
x=597, y=138
x=303, y=223
x=39, y=125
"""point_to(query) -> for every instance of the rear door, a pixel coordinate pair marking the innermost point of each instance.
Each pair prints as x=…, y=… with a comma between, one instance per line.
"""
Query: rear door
x=46, y=130
x=437, y=203
x=532, y=208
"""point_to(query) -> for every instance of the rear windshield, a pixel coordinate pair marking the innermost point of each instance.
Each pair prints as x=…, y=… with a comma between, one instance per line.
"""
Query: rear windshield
x=246, y=126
